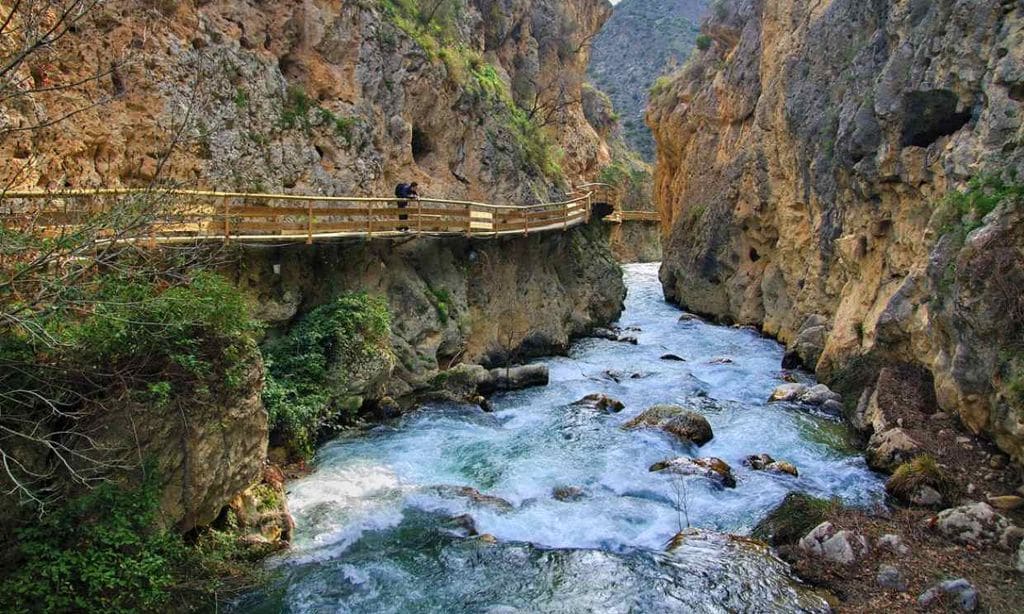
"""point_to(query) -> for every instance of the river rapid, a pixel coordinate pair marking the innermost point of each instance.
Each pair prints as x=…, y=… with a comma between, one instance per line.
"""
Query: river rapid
x=384, y=526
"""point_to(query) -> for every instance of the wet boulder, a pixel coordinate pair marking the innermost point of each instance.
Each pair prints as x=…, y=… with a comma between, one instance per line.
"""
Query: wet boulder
x=567, y=493
x=474, y=496
x=672, y=358
x=615, y=334
x=261, y=517
x=601, y=402
x=463, y=525
x=787, y=392
x=764, y=462
x=685, y=425
x=835, y=545
x=517, y=378
x=714, y=469
x=818, y=395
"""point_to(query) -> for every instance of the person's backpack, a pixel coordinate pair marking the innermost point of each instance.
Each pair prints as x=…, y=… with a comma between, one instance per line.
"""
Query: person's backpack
x=402, y=190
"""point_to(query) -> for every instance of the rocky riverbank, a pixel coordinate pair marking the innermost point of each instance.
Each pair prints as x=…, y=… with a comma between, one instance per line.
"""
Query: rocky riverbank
x=950, y=532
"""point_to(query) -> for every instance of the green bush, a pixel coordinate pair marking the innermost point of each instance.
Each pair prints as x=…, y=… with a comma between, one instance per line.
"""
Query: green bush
x=138, y=332
x=98, y=553
x=103, y=551
x=661, y=85
x=704, y=42
x=300, y=398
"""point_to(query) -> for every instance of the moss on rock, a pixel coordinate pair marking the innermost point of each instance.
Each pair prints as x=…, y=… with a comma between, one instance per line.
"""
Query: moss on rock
x=793, y=518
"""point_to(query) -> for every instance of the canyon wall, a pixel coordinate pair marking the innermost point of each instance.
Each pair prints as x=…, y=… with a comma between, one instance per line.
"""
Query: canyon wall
x=478, y=100
x=451, y=300
x=842, y=174
x=322, y=96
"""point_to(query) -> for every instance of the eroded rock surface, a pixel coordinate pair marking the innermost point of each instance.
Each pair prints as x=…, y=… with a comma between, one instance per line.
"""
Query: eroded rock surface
x=687, y=426
x=814, y=206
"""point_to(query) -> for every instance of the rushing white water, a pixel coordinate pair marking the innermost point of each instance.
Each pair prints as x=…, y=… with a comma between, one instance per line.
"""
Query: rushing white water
x=375, y=531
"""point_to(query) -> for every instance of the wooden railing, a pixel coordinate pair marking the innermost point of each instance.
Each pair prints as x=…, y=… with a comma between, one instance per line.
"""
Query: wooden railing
x=634, y=216
x=608, y=194
x=191, y=215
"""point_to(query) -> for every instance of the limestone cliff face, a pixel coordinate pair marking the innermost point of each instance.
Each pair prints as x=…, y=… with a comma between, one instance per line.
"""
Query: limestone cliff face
x=336, y=97
x=451, y=299
x=803, y=165
x=329, y=96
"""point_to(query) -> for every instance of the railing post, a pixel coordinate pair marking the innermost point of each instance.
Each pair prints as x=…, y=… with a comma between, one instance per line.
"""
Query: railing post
x=309, y=222
x=369, y=220
x=227, y=221
x=469, y=220
x=526, y=222
x=419, y=216
x=565, y=217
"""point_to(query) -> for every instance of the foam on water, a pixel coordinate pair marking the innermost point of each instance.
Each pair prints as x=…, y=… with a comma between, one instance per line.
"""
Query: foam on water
x=537, y=441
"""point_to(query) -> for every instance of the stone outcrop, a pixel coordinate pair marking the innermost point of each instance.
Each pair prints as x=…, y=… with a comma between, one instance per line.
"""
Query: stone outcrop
x=204, y=453
x=804, y=162
x=450, y=300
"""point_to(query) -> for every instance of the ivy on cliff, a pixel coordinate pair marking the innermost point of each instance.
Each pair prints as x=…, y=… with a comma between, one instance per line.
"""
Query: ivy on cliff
x=305, y=391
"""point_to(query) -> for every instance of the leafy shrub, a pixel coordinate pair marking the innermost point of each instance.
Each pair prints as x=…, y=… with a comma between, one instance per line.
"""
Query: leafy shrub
x=300, y=397
x=661, y=85
x=98, y=553
x=703, y=42
x=103, y=551
x=139, y=332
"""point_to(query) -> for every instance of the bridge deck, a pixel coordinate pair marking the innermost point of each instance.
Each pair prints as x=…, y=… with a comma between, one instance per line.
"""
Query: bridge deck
x=179, y=216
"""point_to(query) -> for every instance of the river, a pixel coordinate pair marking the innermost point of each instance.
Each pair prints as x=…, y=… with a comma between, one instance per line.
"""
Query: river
x=382, y=526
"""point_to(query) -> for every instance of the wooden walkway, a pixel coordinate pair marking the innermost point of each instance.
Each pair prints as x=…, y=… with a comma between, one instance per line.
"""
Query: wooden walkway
x=180, y=216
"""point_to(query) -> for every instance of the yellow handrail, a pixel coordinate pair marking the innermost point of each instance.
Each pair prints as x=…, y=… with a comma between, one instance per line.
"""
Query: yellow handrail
x=370, y=215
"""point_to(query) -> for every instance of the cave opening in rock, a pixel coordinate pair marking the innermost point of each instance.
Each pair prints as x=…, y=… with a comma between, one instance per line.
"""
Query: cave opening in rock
x=421, y=145
x=930, y=115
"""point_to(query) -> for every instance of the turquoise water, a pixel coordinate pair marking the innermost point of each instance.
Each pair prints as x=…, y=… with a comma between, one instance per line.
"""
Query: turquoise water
x=375, y=530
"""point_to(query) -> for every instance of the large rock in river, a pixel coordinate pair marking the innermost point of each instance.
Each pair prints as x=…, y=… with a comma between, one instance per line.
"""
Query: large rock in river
x=714, y=469
x=685, y=425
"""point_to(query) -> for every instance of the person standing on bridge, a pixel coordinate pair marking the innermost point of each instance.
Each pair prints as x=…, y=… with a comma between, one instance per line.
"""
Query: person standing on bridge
x=406, y=192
